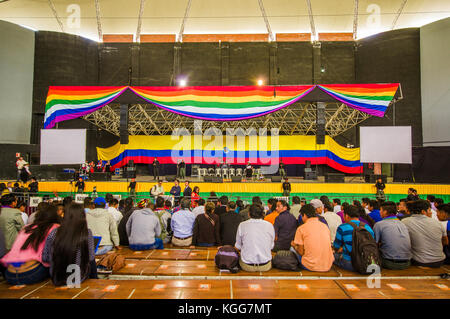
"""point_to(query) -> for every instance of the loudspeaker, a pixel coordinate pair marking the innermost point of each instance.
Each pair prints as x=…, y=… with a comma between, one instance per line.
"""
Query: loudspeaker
x=217, y=179
x=236, y=179
x=171, y=178
x=334, y=178
x=207, y=179
x=320, y=123
x=275, y=179
x=61, y=176
x=310, y=175
x=123, y=129
x=100, y=177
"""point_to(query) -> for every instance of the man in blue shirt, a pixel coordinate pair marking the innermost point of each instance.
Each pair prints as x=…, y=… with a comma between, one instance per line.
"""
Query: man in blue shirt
x=344, y=236
x=182, y=224
x=175, y=191
x=374, y=208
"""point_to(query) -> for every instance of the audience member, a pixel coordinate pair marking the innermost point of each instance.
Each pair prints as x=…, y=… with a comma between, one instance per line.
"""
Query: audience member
x=318, y=206
x=182, y=224
x=143, y=229
x=336, y=205
x=239, y=205
x=344, y=236
x=11, y=221
x=112, y=209
x=393, y=239
x=255, y=239
x=102, y=224
x=374, y=208
x=312, y=242
x=427, y=235
x=229, y=223
x=285, y=226
x=402, y=210
x=443, y=213
x=70, y=244
x=206, y=231
x=256, y=200
x=164, y=218
x=200, y=209
x=22, y=206
x=273, y=213
x=271, y=205
x=221, y=208
x=128, y=209
x=24, y=261
x=295, y=208
x=333, y=220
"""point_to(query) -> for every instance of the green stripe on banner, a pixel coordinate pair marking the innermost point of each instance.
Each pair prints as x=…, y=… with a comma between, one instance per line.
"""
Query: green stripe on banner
x=75, y=102
x=221, y=105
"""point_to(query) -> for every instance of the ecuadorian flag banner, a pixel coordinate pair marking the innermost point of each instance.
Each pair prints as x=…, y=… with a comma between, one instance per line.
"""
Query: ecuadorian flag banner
x=213, y=103
x=235, y=150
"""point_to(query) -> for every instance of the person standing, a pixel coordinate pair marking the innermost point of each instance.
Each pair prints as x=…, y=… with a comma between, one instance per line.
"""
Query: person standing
x=282, y=170
x=187, y=190
x=25, y=173
x=155, y=168
x=175, y=191
x=20, y=163
x=380, y=189
x=182, y=168
x=132, y=189
x=80, y=186
x=286, y=187
x=33, y=187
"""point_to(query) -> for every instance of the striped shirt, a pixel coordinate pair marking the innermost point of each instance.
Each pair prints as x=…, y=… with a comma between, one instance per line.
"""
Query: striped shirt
x=344, y=236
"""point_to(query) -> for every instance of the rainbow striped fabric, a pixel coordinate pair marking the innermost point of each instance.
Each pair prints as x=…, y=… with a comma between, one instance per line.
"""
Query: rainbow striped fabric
x=262, y=151
x=70, y=102
x=372, y=99
x=213, y=103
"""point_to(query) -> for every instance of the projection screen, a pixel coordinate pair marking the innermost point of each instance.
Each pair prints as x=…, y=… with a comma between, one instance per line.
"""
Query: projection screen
x=63, y=146
x=386, y=144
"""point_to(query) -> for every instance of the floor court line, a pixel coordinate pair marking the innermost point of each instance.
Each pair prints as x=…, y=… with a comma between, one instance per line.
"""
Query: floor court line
x=34, y=290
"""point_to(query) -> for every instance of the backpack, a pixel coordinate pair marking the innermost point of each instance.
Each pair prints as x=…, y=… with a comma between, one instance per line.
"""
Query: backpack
x=364, y=249
x=286, y=260
x=164, y=232
x=227, y=258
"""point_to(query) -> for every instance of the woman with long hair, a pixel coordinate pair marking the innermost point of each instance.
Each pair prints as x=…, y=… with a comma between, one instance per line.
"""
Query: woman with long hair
x=24, y=261
x=195, y=196
x=207, y=228
x=121, y=228
x=70, y=244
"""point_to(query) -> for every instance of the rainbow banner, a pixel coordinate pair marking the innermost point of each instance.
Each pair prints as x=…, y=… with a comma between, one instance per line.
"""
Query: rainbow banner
x=223, y=103
x=372, y=99
x=259, y=150
x=70, y=102
x=214, y=103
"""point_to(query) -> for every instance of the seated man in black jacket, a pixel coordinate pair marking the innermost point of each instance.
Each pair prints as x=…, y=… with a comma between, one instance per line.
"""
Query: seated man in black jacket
x=229, y=223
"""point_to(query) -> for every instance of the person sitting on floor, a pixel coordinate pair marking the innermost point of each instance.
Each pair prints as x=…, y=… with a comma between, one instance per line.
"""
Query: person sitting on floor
x=336, y=205
x=427, y=235
x=285, y=226
x=207, y=228
x=273, y=213
x=112, y=209
x=393, y=239
x=256, y=200
x=200, y=209
x=312, y=242
x=374, y=208
x=128, y=209
x=229, y=223
x=333, y=220
x=70, y=244
x=22, y=206
x=143, y=229
x=443, y=213
x=255, y=239
x=164, y=218
x=11, y=221
x=221, y=206
x=183, y=224
x=402, y=210
x=318, y=206
x=344, y=236
x=102, y=224
x=295, y=207
x=24, y=262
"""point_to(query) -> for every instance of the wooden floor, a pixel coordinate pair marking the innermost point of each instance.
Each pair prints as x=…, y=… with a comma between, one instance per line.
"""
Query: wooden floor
x=184, y=273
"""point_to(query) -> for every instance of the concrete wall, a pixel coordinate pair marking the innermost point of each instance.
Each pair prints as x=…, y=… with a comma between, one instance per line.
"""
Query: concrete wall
x=435, y=75
x=16, y=82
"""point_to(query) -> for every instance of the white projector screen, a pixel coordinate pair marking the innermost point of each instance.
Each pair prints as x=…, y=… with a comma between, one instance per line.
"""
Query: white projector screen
x=385, y=144
x=63, y=146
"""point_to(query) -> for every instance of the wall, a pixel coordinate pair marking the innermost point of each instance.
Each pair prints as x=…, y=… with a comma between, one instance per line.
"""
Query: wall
x=435, y=75
x=16, y=82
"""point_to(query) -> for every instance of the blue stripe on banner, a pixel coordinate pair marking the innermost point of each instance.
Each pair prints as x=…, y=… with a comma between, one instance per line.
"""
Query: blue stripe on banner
x=381, y=108
x=235, y=154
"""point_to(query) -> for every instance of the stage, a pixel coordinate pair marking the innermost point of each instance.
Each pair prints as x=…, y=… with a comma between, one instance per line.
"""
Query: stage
x=353, y=188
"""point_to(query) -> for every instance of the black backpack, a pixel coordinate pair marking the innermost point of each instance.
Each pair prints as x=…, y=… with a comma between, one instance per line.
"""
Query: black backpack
x=227, y=258
x=286, y=260
x=364, y=249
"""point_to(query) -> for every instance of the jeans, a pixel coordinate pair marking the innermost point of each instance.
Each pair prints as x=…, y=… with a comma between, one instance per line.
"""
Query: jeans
x=38, y=274
x=342, y=263
x=158, y=244
x=299, y=257
x=104, y=249
x=388, y=264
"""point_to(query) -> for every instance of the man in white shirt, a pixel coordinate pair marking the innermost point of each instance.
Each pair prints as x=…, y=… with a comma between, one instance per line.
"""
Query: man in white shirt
x=255, y=239
x=337, y=205
x=157, y=190
x=20, y=163
x=365, y=204
x=200, y=209
x=112, y=209
x=333, y=220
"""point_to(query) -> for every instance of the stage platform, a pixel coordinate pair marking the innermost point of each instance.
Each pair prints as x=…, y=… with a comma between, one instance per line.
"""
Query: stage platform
x=351, y=189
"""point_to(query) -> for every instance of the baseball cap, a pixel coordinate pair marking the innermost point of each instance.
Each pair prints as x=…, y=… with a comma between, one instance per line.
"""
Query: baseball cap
x=99, y=200
x=316, y=203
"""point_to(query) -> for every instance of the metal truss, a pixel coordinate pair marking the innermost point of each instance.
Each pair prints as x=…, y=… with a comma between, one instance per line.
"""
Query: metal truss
x=297, y=119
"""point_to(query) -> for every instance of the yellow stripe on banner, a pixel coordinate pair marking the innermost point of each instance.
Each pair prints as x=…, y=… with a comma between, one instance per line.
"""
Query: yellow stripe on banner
x=272, y=188
x=217, y=99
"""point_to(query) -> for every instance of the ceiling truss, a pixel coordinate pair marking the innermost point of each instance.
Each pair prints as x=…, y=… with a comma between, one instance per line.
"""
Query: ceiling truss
x=297, y=119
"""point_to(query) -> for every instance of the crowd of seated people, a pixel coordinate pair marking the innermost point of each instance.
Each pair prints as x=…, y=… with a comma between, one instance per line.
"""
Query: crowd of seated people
x=319, y=233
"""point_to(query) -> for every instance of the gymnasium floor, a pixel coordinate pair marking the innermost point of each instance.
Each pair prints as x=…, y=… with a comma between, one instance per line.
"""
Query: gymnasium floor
x=177, y=273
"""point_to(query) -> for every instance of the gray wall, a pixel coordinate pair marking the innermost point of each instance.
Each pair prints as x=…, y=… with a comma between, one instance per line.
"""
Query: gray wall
x=16, y=82
x=435, y=73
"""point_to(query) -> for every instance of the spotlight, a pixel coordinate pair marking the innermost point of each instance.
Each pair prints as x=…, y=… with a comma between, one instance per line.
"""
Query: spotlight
x=182, y=82
x=260, y=82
